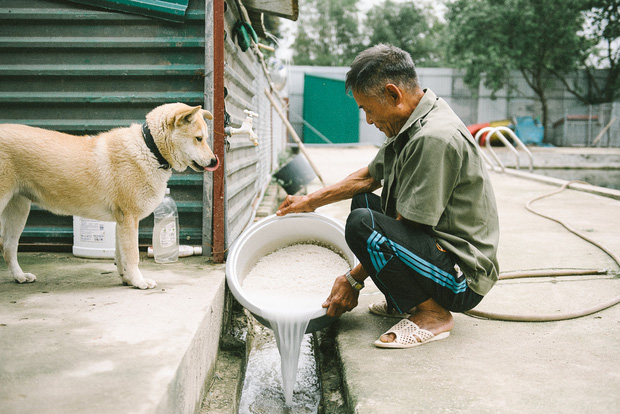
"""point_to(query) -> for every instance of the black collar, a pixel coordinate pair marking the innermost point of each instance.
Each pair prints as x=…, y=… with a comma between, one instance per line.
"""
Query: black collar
x=150, y=142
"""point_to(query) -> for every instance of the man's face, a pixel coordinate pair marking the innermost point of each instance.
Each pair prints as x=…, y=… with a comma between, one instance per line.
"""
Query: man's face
x=387, y=114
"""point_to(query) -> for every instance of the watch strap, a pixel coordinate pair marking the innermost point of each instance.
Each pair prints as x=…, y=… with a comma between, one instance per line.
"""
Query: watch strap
x=354, y=283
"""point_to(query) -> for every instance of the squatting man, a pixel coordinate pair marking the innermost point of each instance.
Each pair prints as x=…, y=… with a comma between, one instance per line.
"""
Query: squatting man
x=429, y=242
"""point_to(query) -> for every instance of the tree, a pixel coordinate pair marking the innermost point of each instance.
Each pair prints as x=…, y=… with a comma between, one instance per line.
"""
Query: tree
x=602, y=32
x=491, y=38
x=407, y=26
x=328, y=33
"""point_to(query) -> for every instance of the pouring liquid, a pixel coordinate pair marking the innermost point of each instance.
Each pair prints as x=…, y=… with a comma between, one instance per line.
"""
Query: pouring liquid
x=289, y=286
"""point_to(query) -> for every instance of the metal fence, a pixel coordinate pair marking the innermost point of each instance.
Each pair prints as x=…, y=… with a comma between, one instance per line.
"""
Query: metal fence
x=588, y=126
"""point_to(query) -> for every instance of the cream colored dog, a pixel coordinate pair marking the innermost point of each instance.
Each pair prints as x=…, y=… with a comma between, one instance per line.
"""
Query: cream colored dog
x=119, y=175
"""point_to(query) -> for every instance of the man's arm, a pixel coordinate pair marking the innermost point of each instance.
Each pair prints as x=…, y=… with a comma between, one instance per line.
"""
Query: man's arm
x=359, y=182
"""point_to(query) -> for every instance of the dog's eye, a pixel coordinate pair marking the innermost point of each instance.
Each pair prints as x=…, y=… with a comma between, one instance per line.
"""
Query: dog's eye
x=199, y=139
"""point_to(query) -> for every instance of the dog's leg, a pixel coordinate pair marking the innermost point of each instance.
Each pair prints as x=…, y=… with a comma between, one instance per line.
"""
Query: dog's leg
x=12, y=221
x=118, y=259
x=127, y=242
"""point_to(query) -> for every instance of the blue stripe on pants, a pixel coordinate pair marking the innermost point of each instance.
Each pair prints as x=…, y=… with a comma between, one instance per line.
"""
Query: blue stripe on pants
x=418, y=264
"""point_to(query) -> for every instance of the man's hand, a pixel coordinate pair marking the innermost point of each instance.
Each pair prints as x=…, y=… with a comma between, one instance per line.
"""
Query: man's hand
x=294, y=204
x=359, y=182
x=343, y=298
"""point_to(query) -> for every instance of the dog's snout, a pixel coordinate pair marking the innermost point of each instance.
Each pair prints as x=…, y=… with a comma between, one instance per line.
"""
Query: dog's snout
x=213, y=164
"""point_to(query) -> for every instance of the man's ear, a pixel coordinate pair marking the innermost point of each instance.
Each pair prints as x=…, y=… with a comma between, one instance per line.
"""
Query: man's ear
x=393, y=93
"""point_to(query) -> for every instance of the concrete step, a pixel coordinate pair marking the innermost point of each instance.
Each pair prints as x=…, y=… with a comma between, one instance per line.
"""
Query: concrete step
x=77, y=341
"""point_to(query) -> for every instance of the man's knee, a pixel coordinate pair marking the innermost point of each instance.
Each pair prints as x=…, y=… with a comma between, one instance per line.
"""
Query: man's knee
x=357, y=227
x=358, y=201
x=366, y=200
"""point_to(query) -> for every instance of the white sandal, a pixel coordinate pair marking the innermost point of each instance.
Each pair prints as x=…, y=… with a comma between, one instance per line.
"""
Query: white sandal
x=381, y=309
x=408, y=335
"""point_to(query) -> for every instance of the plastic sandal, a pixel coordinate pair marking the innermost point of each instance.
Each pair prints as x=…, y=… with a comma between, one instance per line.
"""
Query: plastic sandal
x=408, y=335
x=380, y=308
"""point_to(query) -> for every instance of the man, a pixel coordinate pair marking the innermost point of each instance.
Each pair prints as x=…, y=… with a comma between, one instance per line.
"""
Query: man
x=429, y=242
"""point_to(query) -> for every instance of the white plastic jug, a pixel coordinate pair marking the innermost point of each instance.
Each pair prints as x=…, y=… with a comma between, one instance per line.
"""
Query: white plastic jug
x=93, y=238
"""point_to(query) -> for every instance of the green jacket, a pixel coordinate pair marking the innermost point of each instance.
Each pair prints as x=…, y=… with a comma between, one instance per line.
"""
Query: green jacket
x=433, y=174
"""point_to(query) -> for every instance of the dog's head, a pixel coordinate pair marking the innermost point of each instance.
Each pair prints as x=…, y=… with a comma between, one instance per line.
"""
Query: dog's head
x=181, y=134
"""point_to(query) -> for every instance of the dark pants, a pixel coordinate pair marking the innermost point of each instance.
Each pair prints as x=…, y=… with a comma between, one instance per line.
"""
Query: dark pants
x=405, y=263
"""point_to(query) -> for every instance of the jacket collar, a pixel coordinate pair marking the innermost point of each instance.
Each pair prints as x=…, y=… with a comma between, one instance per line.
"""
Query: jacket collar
x=425, y=105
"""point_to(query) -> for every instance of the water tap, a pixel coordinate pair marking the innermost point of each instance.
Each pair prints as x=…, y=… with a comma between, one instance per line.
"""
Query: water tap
x=246, y=127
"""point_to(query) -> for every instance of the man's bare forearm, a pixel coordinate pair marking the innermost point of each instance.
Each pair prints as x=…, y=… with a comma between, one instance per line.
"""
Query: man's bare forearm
x=358, y=182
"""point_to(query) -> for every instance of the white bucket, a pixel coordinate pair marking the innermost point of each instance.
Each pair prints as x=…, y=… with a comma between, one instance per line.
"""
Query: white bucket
x=93, y=238
x=272, y=233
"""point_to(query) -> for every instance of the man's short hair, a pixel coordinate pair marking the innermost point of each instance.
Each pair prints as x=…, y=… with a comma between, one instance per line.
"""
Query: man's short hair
x=378, y=66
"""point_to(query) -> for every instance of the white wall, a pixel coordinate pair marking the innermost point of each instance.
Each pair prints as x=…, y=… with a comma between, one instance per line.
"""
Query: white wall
x=472, y=106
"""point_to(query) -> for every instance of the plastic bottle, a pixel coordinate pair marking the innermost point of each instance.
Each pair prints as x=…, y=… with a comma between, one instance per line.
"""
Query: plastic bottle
x=166, y=231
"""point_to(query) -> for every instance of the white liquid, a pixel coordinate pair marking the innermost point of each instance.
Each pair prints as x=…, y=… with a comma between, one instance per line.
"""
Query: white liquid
x=289, y=286
x=289, y=329
x=262, y=388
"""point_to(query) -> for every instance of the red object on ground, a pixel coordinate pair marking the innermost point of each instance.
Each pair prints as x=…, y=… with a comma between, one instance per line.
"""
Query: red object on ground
x=474, y=128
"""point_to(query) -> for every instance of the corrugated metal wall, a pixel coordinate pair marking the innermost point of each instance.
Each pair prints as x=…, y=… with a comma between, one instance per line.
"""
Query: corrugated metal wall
x=82, y=70
x=248, y=167
x=173, y=10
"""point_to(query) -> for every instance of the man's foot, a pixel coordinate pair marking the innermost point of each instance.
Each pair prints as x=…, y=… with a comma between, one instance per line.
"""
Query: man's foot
x=381, y=309
x=427, y=316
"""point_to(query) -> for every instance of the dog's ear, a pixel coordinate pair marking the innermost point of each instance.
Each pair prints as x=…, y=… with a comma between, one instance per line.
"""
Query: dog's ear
x=186, y=115
x=207, y=114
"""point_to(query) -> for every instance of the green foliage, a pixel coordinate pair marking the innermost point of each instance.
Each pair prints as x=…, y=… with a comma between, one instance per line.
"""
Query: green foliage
x=603, y=32
x=542, y=39
x=495, y=37
x=409, y=27
x=328, y=33
x=331, y=33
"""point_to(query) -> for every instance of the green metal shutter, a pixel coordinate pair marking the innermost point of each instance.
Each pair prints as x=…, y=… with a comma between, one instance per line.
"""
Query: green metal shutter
x=328, y=109
x=163, y=9
x=70, y=68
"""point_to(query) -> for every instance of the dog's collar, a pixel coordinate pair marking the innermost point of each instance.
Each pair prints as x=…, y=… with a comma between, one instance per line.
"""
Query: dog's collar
x=150, y=142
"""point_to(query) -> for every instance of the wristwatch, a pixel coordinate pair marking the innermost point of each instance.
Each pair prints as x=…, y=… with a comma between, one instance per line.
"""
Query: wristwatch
x=356, y=285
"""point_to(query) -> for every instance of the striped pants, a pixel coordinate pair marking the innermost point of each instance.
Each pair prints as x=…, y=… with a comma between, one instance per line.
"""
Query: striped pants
x=404, y=262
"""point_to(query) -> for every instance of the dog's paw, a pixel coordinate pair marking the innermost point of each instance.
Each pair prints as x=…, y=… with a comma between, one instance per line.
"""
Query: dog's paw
x=25, y=278
x=145, y=284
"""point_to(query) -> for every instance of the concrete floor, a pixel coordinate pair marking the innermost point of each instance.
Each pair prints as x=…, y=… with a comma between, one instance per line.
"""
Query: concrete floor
x=489, y=366
x=77, y=341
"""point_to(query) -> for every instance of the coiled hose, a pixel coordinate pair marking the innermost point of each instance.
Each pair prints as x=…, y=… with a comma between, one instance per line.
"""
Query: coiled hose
x=551, y=273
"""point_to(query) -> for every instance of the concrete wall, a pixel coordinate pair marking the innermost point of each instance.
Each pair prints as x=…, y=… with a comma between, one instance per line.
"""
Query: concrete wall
x=472, y=106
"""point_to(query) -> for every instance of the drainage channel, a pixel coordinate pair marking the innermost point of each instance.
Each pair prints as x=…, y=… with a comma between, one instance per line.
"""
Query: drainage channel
x=262, y=390
x=248, y=378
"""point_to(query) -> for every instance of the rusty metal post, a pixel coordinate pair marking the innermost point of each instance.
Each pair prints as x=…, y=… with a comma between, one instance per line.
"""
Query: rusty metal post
x=219, y=137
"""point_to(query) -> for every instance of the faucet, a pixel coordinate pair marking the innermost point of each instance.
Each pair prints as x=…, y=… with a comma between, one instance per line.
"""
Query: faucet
x=246, y=127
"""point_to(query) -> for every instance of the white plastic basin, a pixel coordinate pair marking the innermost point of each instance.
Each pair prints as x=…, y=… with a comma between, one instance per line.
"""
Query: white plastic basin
x=272, y=233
